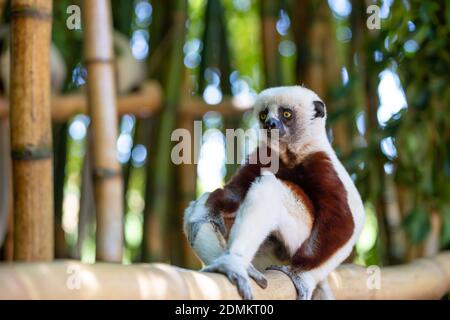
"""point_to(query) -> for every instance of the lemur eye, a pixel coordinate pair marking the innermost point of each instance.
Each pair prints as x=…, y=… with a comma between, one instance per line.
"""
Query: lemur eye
x=263, y=116
x=287, y=114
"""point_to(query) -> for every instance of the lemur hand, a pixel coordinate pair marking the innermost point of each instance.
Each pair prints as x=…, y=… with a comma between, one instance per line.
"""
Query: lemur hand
x=238, y=274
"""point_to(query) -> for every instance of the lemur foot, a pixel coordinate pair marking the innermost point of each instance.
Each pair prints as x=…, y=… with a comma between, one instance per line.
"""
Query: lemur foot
x=238, y=274
x=302, y=281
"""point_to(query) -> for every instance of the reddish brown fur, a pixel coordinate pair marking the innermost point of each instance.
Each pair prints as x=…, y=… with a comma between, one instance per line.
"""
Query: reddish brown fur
x=318, y=186
x=228, y=199
x=333, y=222
x=301, y=195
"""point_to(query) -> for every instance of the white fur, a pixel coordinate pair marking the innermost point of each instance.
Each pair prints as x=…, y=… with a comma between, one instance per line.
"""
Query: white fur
x=271, y=207
x=268, y=207
x=314, y=139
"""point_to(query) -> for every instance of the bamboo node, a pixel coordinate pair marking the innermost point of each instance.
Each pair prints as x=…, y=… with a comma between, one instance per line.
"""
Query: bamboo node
x=32, y=153
x=98, y=60
x=27, y=12
x=104, y=173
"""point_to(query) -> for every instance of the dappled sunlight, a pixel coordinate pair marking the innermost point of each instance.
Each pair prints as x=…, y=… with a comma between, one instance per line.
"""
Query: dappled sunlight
x=392, y=97
x=204, y=286
x=211, y=165
x=369, y=234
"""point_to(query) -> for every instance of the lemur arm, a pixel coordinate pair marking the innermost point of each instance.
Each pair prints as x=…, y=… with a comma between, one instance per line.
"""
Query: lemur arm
x=229, y=198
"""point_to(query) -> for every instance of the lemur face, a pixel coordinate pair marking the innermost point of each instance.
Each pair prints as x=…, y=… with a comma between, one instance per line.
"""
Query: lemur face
x=295, y=111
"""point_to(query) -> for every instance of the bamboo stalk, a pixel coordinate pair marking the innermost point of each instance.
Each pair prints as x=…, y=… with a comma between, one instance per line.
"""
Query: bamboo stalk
x=427, y=278
x=59, y=165
x=5, y=180
x=270, y=39
x=86, y=214
x=98, y=52
x=187, y=175
x=8, y=247
x=158, y=211
x=31, y=140
x=215, y=52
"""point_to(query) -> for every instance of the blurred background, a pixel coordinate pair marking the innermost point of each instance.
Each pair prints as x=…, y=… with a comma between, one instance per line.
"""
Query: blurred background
x=387, y=92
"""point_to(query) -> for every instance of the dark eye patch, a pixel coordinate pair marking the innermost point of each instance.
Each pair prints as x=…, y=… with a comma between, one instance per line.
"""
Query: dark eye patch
x=263, y=115
x=285, y=113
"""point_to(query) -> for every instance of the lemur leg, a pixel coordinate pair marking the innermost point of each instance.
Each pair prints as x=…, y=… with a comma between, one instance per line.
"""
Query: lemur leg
x=205, y=233
x=264, y=210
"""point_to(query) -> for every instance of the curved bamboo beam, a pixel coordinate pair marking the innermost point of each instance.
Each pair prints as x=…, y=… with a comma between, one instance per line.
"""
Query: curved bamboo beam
x=427, y=278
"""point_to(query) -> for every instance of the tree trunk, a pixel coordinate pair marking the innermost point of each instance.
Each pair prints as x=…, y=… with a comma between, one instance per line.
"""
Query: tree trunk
x=98, y=51
x=31, y=139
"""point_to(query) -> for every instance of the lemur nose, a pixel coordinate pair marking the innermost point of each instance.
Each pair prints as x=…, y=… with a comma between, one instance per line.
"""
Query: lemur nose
x=272, y=123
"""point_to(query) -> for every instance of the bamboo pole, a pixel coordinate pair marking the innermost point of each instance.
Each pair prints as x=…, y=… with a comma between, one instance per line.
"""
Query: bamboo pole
x=427, y=278
x=158, y=211
x=31, y=140
x=187, y=176
x=87, y=202
x=59, y=166
x=270, y=39
x=98, y=52
x=5, y=180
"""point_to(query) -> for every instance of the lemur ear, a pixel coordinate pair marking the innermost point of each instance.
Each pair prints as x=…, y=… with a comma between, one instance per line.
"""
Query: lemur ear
x=319, y=106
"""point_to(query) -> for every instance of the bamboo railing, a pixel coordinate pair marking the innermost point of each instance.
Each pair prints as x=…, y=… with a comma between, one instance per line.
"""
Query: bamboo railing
x=427, y=278
x=144, y=103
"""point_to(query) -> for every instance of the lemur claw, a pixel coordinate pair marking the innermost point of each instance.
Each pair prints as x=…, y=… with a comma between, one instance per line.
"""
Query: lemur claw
x=234, y=269
x=304, y=292
x=237, y=277
x=257, y=276
x=218, y=222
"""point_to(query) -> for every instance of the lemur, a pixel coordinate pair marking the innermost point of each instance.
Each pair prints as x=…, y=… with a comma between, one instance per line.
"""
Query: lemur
x=306, y=217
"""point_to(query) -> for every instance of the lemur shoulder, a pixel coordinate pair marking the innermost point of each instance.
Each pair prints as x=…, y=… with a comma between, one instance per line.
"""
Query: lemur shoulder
x=310, y=205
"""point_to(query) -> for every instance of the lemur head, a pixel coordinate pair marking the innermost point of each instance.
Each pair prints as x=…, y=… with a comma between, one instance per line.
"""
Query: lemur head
x=297, y=112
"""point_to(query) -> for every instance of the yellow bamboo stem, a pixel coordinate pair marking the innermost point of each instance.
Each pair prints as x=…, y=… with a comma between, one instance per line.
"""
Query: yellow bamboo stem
x=98, y=52
x=31, y=129
x=427, y=278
